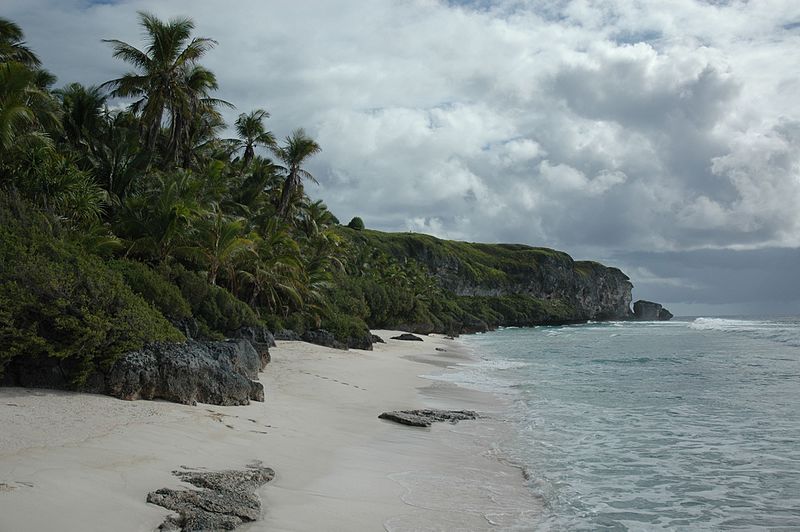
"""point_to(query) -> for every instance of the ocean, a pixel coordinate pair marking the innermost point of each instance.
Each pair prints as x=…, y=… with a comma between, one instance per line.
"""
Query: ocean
x=692, y=424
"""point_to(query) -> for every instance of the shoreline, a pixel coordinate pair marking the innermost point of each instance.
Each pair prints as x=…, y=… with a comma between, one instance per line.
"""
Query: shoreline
x=86, y=462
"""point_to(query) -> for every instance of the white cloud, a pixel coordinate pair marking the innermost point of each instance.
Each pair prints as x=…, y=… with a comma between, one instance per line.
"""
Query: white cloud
x=595, y=126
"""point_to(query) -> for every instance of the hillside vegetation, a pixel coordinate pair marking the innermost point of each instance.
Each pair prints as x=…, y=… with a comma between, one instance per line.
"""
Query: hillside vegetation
x=128, y=216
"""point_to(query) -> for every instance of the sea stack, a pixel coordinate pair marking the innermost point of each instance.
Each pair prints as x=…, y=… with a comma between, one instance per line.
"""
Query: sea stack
x=649, y=311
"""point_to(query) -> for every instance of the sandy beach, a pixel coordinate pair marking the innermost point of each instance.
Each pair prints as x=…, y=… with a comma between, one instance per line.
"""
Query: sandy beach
x=80, y=462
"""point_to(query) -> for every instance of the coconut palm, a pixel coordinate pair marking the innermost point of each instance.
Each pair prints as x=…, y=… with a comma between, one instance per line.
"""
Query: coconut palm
x=26, y=111
x=220, y=239
x=160, y=80
x=12, y=47
x=297, y=149
x=251, y=131
x=83, y=111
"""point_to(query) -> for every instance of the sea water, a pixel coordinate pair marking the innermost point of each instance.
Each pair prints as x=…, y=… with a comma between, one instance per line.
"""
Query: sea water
x=682, y=425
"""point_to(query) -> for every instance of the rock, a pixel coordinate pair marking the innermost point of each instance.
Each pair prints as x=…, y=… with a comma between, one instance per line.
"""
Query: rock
x=225, y=500
x=261, y=340
x=441, y=349
x=287, y=335
x=363, y=341
x=220, y=373
x=408, y=337
x=424, y=418
x=323, y=338
x=256, y=335
x=377, y=339
x=649, y=311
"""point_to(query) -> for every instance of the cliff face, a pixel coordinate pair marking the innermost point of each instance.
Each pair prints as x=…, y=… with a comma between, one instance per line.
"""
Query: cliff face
x=596, y=292
x=593, y=291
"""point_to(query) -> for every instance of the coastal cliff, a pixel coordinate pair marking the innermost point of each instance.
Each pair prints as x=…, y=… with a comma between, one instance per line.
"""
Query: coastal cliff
x=498, y=284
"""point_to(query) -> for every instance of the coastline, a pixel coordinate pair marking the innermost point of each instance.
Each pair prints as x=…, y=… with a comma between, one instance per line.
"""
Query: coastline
x=86, y=462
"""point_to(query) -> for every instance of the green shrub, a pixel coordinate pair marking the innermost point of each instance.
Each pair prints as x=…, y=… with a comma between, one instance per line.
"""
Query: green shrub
x=58, y=301
x=218, y=312
x=154, y=288
x=356, y=223
x=344, y=326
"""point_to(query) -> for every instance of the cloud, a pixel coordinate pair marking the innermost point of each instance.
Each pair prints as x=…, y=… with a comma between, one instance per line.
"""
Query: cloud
x=605, y=128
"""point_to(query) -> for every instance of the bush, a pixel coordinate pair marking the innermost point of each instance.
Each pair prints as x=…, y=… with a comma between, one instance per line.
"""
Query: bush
x=218, y=312
x=154, y=288
x=344, y=327
x=58, y=301
x=356, y=223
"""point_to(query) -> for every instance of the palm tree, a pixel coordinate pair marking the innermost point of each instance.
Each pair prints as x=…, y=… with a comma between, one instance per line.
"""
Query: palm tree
x=160, y=80
x=296, y=150
x=250, y=128
x=220, y=240
x=195, y=117
x=83, y=109
x=13, y=48
x=26, y=111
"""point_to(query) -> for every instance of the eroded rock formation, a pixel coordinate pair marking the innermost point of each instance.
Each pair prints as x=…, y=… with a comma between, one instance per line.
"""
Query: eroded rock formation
x=425, y=417
x=225, y=500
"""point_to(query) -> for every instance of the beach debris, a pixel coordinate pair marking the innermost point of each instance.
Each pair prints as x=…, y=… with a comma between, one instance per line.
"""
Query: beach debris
x=225, y=500
x=425, y=417
x=407, y=336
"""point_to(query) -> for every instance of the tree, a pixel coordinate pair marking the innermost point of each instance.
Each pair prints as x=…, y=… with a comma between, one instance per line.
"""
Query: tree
x=297, y=149
x=83, y=109
x=161, y=81
x=251, y=131
x=219, y=241
x=13, y=48
x=356, y=223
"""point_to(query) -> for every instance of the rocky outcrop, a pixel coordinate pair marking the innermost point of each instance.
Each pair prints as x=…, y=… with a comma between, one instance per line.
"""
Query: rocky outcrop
x=221, y=373
x=287, y=335
x=323, y=338
x=424, y=418
x=225, y=500
x=407, y=337
x=649, y=311
x=377, y=339
x=593, y=291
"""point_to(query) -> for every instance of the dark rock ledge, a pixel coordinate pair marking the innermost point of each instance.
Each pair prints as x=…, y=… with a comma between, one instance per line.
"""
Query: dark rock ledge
x=225, y=500
x=425, y=417
x=408, y=337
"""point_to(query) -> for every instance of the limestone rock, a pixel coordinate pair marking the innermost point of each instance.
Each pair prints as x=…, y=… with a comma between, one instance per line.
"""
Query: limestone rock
x=226, y=499
x=221, y=373
x=323, y=338
x=425, y=417
x=408, y=337
x=649, y=311
x=287, y=335
x=261, y=340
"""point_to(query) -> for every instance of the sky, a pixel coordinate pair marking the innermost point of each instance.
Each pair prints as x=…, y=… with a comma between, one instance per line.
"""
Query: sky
x=661, y=137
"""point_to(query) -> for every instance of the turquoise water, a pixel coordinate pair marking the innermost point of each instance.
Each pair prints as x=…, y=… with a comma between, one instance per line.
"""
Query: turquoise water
x=684, y=425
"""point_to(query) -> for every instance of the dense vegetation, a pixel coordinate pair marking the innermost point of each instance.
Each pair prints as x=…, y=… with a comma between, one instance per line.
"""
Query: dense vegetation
x=125, y=224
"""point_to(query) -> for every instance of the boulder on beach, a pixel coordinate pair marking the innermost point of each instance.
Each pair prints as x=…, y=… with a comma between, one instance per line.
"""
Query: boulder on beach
x=225, y=500
x=220, y=373
x=407, y=337
x=425, y=417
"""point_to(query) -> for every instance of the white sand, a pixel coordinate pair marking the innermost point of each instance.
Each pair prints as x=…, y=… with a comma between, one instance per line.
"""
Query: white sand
x=78, y=462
